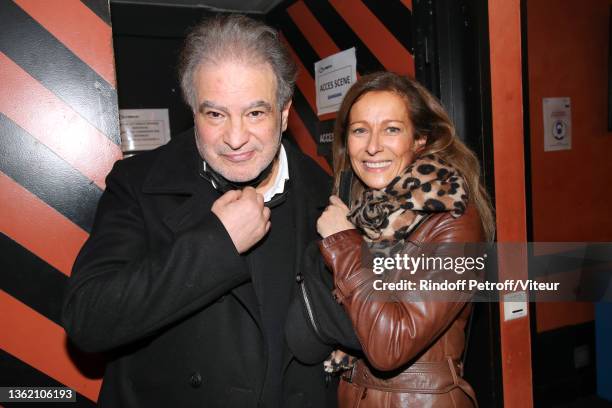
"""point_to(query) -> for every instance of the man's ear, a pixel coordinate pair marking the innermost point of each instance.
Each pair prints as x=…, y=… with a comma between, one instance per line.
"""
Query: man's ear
x=285, y=116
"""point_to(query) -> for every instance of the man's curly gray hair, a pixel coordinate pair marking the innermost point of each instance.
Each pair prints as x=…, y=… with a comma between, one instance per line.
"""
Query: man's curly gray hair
x=241, y=38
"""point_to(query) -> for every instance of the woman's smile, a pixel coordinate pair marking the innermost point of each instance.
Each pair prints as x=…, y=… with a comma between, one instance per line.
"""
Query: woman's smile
x=376, y=165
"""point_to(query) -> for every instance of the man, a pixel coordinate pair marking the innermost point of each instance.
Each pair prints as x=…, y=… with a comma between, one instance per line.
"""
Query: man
x=191, y=265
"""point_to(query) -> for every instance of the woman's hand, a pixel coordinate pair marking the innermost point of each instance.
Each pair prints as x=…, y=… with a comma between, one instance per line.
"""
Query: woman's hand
x=334, y=218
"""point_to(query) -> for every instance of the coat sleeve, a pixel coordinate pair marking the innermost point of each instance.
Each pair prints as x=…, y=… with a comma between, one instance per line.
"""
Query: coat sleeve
x=392, y=330
x=120, y=291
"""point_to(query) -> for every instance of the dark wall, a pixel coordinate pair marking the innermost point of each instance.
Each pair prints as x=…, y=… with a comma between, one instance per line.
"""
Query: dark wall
x=147, y=42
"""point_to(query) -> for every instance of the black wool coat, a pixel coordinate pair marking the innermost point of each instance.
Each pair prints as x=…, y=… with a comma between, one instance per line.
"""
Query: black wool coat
x=160, y=287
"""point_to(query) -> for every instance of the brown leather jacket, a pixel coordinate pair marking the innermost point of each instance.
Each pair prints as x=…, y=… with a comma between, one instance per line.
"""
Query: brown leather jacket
x=413, y=349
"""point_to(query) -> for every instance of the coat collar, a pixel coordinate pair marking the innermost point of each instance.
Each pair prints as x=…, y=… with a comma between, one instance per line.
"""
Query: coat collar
x=176, y=169
x=177, y=166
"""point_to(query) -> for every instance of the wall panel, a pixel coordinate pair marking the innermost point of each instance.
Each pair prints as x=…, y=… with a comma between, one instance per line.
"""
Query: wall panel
x=59, y=139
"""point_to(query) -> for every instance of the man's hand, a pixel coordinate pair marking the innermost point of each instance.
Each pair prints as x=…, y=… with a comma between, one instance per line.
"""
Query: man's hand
x=244, y=217
x=334, y=218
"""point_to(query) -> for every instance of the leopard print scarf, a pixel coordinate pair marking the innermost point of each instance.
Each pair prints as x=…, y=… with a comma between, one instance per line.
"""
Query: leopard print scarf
x=388, y=215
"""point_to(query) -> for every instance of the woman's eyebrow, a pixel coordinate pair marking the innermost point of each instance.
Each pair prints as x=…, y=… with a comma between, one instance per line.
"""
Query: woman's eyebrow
x=384, y=121
x=356, y=122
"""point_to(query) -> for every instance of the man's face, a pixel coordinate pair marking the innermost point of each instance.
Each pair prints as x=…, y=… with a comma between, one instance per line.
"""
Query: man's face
x=237, y=118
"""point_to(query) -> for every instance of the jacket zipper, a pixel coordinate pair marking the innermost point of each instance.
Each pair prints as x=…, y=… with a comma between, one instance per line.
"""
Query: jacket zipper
x=309, y=308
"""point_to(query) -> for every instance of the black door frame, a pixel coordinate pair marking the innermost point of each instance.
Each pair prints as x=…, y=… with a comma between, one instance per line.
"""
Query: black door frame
x=451, y=40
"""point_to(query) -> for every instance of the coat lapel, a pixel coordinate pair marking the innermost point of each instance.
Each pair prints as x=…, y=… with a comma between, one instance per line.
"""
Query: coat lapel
x=176, y=169
x=177, y=172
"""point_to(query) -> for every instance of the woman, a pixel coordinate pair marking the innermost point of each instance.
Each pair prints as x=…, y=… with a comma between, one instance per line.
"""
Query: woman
x=416, y=183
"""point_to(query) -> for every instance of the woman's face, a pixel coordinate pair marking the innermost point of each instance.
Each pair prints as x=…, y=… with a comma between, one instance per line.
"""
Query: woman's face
x=380, y=140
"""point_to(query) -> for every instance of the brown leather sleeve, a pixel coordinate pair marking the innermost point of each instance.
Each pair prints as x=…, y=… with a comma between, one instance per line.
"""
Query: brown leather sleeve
x=393, y=332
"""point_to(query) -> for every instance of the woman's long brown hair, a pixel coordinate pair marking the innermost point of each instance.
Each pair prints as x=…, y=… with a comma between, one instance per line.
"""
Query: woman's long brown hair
x=430, y=121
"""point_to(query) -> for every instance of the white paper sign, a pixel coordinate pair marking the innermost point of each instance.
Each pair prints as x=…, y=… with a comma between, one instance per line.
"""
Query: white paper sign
x=557, y=124
x=334, y=75
x=144, y=129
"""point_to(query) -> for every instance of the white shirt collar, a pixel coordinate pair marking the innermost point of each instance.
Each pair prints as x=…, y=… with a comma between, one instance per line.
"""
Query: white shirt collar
x=283, y=175
x=279, y=181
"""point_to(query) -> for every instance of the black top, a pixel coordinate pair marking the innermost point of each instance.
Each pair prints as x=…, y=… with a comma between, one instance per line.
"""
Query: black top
x=271, y=264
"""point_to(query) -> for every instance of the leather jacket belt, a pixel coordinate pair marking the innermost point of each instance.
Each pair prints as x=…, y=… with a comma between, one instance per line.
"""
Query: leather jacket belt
x=431, y=377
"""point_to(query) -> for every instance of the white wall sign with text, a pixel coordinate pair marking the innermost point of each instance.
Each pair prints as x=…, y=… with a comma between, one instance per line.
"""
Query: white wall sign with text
x=334, y=75
x=144, y=129
x=557, y=124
